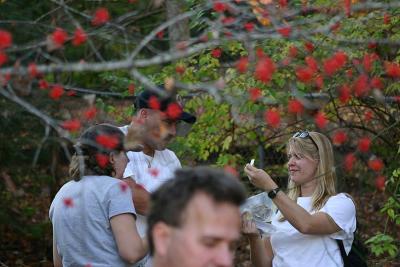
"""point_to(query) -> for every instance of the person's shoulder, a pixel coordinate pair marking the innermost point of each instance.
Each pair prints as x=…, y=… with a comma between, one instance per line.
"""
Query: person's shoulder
x=343, y=200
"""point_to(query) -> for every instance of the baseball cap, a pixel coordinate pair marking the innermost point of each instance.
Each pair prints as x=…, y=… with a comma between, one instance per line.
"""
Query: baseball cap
x=143, y=100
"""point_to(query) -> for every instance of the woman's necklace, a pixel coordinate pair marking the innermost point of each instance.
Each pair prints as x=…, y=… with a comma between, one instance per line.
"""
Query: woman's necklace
x=150, y=161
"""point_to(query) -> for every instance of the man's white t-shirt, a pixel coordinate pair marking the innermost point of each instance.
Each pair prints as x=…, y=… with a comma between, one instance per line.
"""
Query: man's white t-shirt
x=294, y=249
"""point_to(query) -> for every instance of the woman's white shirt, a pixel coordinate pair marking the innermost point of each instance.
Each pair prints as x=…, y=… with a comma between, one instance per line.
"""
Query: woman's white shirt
x=292, y=248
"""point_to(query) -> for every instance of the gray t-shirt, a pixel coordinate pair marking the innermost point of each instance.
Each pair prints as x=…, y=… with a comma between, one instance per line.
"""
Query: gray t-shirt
x=81, y=213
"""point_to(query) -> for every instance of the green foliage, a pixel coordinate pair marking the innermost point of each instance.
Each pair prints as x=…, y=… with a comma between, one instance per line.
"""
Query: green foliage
x=381, y=244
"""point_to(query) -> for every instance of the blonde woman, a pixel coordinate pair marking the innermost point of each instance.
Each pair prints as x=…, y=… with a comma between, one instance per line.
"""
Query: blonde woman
x=311, y=215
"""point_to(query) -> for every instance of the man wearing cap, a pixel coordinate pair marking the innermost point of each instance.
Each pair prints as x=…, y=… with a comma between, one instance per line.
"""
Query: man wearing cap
x=156, y=125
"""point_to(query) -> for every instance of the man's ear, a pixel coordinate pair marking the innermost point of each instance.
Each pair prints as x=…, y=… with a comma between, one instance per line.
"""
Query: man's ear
x=161, y=238
x=143, y=113
x=111, y=157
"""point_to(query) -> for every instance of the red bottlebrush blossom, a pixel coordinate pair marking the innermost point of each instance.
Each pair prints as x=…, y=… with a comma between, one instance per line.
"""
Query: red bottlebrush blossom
x=293, y=51
x=90, y=113
x=335, y=27
x=180, y=69
x=102, y=160
x=79, y=37
x=339, y=138
x=312, y=63
x=160, y=34
x=361, y=86
x=320, y=120
x=260, y=53
x=380, y=183
x=392, y=69
x=123, y=186
x=154, y=172
x=242, y=64
x=71, y=125
x=219, y=7
x=372, y=45
x=265, y=68
x=364, y=144
x=43, y=84
x=216, y=52
x=59, y=37
x=5, y=39
x=376, y=83
x=3, y=58
x=68, y=202
x=285, y=31
x=368, y=60
x=231, y=170
x=272, y=118
x=131, y=89
x=174, y=111
x=71, y=93
x=347, y=7
x=309, y=47
x=100, y=16
x=344, y=94
x=32, y=69
x=56, y=92
x=368, y=115
x=335, y=63
x=228, y=20
x=319, y=82
x=154, y=103
x=349, y=73
x=386, y=18
x=295, y=106
x=286, y=61
x=375, y=164
x=283, y=3
x=107, y=141
x=249, y=26
x=255, y=94
x=349, y=161
x=304, y=74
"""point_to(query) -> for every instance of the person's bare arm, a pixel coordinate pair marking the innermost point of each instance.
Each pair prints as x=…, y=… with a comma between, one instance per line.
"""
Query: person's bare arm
x=56, y=257
x=140, y=196
x=130, y=246
x=319, y=223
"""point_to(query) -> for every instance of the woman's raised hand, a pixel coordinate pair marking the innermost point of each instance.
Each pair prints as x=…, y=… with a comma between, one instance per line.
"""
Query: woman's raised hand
x=259, y=178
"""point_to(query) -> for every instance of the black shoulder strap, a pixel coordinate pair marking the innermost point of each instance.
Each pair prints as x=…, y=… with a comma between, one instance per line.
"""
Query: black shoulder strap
x=342, y=251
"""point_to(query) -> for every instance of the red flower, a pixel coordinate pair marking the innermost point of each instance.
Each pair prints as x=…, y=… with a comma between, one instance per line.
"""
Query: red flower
x=154, y=172
x=124, y=186
x=392, y=69
x=347, y=7
x=364, y=144
x=79, y=37
x=293, y=51
x=264, y=69
x=102, y=160
x=309, y=47
x=376, y=83
x=242, y=64
x=339, y=138
x=219, y=7
x=375, y=164
x=295, y=106
x=386, y=18
x=71, y=93
x=68, y=202
x=43, y=84
x=90, y=113
x=368, y=115
x=216, y=52
x=349, y=161
x=107, y=141
x=285, y=31
x=255, y=94
x=3, y=58
x=5, y=39
x=160, y=34
x=131, y=89
x=174, y=111
x=283, y=3
x=249, y=26
x=304, y=74
x=312, y=63
x=228, y=20
x=372, y=45
x=154, y=103
x=349, y=73
x=272, y=118
x=260, y=53
x=56, y=92
x=336, y=62
x=59, y=37
x=231, y=170
x=321, y=120
x=71, y=125
x=319, y=82
x=361, y=86
x=344, y=94
x=101, y=16
x=380, y=183
x=368, y=60
x=32, y=69
x=180, y=69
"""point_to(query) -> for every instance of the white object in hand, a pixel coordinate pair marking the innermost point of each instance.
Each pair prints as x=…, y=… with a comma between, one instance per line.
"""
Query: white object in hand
x=252, y=162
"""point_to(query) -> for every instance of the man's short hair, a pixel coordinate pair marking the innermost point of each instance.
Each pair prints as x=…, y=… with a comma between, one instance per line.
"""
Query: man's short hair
x=169, y=202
